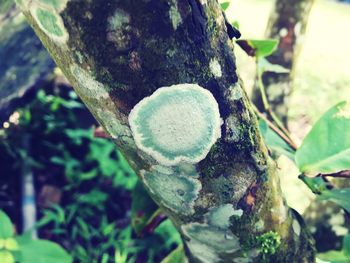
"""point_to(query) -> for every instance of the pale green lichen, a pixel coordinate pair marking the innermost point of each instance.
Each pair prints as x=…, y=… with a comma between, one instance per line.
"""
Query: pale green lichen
x=176, y=124
x=49, y=21
x=235, y=92
x=87, y=84
x=119, y=28
x=173, y=189
x=202, y=253
x=215, y=239
x=220, y=216
x=112, y=125
x=213, y=236
x=279, y=212
x=296, y=227
x=215, y=68
x=175, y=16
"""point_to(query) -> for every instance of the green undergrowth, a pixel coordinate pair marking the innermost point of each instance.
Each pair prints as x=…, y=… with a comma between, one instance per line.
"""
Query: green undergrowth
x=90, y=184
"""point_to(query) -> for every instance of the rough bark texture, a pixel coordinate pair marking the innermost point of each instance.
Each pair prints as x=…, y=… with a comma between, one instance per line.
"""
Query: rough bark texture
x=116, y=53
x=24, y=61
x=287, y=22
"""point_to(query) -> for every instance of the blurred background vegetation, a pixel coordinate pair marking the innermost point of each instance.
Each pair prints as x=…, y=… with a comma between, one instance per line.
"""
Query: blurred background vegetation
x=84, y=188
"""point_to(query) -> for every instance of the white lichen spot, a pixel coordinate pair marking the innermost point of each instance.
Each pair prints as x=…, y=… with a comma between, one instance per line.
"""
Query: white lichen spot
x=173, y=189
x=283, y=32
x=49, y=21
x=119, y=29
x=296, y=227
x=297, y=28
x=177, y=124
x=112, y=125
x=119, y=19
x=343, y=111
x=79, y=57
x=203, y=2
x=220, y=216
x=175, y=15
x=260, y=225
x=280, y=212
x=87, y=84
x=235, y=92
x=215, y=68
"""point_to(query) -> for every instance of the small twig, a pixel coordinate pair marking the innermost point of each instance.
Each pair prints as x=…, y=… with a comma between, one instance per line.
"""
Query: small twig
x=267, y=106
x=342, y=174
x=281, y=134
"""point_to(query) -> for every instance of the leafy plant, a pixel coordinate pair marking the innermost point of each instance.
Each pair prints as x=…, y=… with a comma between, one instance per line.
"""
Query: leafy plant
x=334, y=256
x=23, y=249
x=326, y=149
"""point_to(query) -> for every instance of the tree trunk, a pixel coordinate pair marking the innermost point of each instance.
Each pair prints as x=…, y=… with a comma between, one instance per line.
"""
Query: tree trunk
x=287, y=22
x=226, y=202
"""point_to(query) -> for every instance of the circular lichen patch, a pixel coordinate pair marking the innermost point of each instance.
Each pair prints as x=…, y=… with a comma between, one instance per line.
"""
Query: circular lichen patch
x=50, y=22
x=176, y=124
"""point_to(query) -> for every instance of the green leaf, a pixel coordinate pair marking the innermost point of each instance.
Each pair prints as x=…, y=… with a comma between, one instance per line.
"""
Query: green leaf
x=6, y=257
x=326, y=149
x=176, y=256
x=317, y=185
x=346, y=245
x=235, y=24
x=42, y=251
x=143, y=208
x=335, y=256
x=225, y=5
x=275, y=142
x=258, y=48
x=339, y=196
x=265, y=66
x=6, y=227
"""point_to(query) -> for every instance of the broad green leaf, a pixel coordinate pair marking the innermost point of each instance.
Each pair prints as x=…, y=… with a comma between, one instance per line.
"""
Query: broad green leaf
x=143, y=208
x=346, y=245
x=274, y=142
x=258, y=48
x=6, y=227
x=6, y=257
x=335, y=256
x=225, y=5
x=11, y=244
x=176, y=256
x=265, y=66
x=326, y=149
x=42, y=251
x=339, y=196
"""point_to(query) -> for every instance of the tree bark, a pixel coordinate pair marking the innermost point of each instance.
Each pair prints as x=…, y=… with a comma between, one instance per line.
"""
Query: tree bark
x=288, y=23
x=226, y=204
